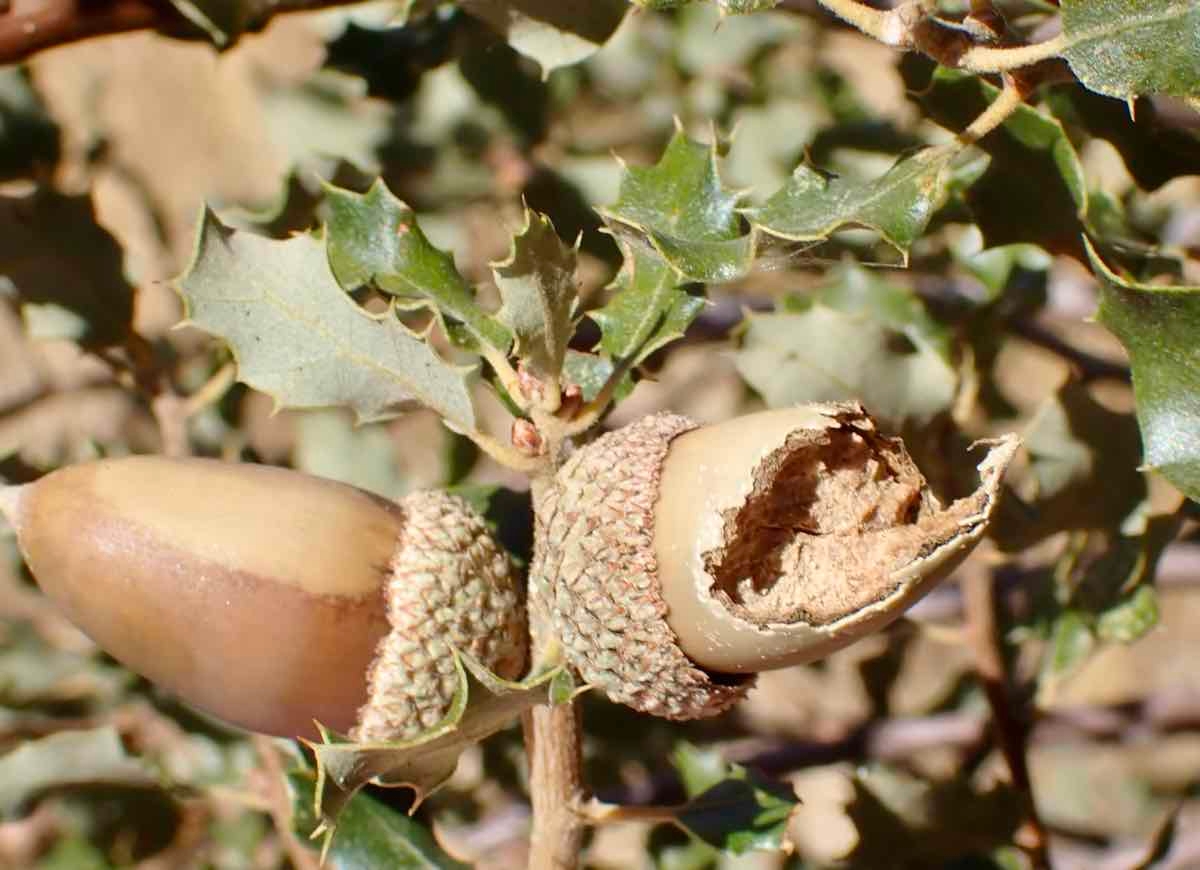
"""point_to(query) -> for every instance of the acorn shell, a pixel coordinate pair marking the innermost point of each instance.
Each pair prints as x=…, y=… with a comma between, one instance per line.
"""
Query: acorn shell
x=788, y=534
x=675, y=561
x=262, y=595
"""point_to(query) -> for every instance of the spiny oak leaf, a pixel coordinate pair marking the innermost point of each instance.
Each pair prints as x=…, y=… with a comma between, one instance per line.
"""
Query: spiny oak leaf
x=1128, y=48
x=539, y=295
x=483, y=704
x=858, y=338
x=681, y=206
x=299, y=337
x=374, y=237
x=648, y=310
x=729, y=807
x=370, y=834
x=1034, y=189
x=1159, y=327
x=898, y=205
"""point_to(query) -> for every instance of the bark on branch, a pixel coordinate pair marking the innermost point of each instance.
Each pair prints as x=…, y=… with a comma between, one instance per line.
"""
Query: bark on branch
x=30, y=26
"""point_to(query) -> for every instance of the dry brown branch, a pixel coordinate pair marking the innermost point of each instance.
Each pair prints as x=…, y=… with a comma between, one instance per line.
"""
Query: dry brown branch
x=553, y=745
x=30, y=26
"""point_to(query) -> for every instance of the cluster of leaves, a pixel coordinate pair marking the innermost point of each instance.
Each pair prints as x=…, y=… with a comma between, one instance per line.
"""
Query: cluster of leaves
x=772, y=205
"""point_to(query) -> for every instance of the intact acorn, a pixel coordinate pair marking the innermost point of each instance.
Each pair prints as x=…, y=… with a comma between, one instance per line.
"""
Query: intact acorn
x=675, y=561
x=269, y=598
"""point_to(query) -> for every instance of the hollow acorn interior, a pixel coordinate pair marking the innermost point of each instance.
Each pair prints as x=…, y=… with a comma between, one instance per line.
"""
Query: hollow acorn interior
x=788, y=534
x=674, y=561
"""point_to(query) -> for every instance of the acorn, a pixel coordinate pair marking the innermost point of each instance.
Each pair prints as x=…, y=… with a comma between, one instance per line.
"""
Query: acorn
x=675, y=561
x=269, y=598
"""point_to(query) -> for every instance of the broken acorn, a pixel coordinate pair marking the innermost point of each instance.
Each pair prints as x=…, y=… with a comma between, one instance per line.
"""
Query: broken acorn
x=672, y=562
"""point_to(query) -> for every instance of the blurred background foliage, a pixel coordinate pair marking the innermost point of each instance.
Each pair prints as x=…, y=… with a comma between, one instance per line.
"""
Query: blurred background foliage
x=108, y=150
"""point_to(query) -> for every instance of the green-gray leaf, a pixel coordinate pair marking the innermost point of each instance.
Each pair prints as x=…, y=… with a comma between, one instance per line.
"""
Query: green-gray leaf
x=370, y=835
x=537, y=287
x=1126, y=48
x=374, y=237
x=483, y=704
x=1083, y=459
x=1073, y=440
x=68, y=758
x=649, y=308
x=297, y=336
x=727, y=7
x=554, y=33
x=590, y=372
x=1119, y=584
x=1034, y=189
x=1160, y=329
x=853, y=288
x=898, y=205
x=844, y=348
x=744, y=7
x=1071, y=642
x=682, y=207
x=329, y=445
x=1129, y=619
x=730, y=807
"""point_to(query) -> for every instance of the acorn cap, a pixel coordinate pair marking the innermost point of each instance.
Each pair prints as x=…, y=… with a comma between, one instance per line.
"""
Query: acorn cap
x=451, y=585
x=262, y=595
x=595, y=579
x=675, y=561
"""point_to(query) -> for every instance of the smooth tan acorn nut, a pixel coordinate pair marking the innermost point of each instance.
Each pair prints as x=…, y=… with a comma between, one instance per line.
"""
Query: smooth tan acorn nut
x=269, y=598
x=676, y=561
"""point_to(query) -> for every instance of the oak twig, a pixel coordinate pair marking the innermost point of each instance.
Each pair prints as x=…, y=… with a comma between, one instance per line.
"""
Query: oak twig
x=591, y=412
x=553, y=739
x=891, y=27
x=999, y=111
x=1090, y=367
x=987, y=59
x=909, y=26
x=212, y=390
x=504, y=454
x=30, y=26
x=600, y=813
x=553, y=745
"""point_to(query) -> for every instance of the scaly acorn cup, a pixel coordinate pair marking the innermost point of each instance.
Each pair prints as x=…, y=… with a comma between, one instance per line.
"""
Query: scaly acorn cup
x=675, y=561
x=269, y=598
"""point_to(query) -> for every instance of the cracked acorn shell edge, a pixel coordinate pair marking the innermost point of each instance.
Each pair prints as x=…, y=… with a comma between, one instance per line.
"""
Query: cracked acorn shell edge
x=597, y=586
